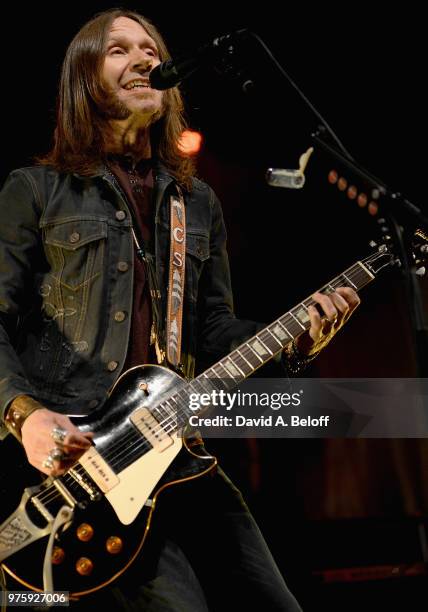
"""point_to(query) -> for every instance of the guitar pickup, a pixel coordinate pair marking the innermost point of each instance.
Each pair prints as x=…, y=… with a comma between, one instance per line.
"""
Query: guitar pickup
x=151, y=429
x=98, y=469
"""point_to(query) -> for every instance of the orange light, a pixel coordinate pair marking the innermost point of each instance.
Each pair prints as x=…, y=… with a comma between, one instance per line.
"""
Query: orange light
x=332, y=177
x=373, y=208
x=190, y=142
x=362, y=200
x=352, y=192
x=342, y=183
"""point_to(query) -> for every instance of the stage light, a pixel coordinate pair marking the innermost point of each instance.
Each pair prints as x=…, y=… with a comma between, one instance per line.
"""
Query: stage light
x=190, y=142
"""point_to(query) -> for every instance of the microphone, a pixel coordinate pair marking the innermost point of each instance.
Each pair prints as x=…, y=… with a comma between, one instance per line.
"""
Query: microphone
x=171, y=72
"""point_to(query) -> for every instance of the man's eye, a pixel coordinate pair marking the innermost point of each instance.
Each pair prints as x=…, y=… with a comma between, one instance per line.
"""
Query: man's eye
x=116, y=51
x=152, y=52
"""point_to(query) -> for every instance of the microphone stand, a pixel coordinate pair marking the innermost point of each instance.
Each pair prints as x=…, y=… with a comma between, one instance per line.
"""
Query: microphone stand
x=402, y=216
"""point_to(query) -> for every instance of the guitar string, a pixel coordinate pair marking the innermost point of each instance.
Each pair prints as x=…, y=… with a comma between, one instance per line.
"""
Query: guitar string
x=142, y=444
x=338, y=281
x=168, y=425
x=171, y=425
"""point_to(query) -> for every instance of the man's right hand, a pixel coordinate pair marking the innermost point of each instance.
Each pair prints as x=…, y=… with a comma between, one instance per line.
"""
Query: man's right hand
x=38, y=441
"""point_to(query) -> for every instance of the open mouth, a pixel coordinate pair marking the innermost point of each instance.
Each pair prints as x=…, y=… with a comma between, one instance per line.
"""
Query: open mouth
x=136, y=84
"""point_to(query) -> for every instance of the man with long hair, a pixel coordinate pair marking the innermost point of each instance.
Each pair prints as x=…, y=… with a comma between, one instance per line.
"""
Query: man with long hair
x=84, y=279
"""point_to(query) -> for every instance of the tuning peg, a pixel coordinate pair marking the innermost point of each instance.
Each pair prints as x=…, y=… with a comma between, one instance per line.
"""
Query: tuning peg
x=372, y=244
x=420, y=271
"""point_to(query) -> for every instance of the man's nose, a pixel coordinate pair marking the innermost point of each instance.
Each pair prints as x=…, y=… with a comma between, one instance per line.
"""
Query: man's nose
x=141, y=60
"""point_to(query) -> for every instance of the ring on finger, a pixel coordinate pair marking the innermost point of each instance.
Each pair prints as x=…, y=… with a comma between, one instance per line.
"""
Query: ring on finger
x=55, y=454
x=48, y=463
x=58, y=434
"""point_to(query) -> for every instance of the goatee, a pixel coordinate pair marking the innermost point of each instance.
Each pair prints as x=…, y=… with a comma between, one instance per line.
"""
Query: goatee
x=113, y=108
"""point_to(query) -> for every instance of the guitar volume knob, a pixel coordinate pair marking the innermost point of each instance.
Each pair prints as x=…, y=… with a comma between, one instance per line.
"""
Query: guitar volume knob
x=58, y=555
x=84, y=566
x=85, y=532
x=114, y=545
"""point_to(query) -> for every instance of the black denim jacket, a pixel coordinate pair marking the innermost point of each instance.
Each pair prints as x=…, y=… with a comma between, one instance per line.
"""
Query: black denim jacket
x=66, y=269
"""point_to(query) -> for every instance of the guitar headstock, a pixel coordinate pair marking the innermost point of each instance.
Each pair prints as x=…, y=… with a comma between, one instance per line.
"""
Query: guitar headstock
x=420, y=251
x=380, y=258
x=388, y=253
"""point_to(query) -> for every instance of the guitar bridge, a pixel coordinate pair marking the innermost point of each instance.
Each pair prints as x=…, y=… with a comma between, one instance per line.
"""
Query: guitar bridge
x=90, y=488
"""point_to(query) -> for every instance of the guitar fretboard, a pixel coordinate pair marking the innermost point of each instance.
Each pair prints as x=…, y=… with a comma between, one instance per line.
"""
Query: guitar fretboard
x=230, y=371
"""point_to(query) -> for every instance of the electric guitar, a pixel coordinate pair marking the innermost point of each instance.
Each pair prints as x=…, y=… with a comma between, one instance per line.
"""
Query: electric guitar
x=80, y=531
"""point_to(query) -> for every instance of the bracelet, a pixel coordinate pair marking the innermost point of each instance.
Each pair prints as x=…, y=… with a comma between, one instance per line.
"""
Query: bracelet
x=19, y=410
x=296, y=361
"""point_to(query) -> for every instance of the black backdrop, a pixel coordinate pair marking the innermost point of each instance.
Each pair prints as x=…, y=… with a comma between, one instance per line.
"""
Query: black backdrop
x=364, y=71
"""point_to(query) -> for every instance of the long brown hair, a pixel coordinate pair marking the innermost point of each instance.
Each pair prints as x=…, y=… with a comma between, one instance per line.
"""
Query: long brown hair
x=78, y=137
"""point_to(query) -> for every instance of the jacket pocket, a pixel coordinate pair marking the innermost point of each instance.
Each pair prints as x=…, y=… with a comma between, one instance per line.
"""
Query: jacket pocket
x=197, y=252
x=197, y=245
x=75, y=249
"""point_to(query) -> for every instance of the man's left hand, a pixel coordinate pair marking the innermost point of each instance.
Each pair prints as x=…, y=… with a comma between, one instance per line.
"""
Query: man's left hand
x=336, y=307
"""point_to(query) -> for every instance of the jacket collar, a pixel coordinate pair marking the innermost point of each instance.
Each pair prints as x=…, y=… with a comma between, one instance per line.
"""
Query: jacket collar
x=160, y=171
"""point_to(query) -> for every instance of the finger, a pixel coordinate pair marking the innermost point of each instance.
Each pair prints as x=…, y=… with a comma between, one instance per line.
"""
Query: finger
x=327, y=305
x=352, y=298
x=74, y=438
x=341, y=305
x=316, y=322
x=77, y=440
x=56, y=467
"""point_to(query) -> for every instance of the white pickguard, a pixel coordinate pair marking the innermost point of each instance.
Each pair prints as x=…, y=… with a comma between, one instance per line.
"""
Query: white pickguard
x=137, y=481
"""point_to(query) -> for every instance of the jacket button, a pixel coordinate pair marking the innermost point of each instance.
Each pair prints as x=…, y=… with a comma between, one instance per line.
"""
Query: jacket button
x=74, y=237
x=119, y=316
x=122, y=266
x=120, y=215
x=93, y=403
x=112, y=365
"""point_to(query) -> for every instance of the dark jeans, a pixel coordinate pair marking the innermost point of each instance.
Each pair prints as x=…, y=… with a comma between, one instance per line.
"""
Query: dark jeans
x=204, y=553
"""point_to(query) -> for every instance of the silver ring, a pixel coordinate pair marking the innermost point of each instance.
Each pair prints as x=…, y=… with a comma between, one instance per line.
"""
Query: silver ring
x=48, y=463
x=55, y=454
x=58, y=434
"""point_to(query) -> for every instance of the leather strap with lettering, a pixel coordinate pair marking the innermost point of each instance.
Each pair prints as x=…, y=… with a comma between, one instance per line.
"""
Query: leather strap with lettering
x=177, y=264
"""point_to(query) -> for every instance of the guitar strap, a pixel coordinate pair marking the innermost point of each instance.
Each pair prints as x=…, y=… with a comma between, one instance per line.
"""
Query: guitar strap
x=177, y=265
x=169, y=348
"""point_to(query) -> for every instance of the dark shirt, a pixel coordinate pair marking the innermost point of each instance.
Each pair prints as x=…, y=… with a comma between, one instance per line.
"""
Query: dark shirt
x=137, y=185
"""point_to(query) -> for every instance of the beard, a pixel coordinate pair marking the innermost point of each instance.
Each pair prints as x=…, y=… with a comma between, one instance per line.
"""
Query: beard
x=113, y=109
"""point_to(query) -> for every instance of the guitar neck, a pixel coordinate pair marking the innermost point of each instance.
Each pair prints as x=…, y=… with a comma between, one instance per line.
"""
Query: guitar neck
x=261, y=348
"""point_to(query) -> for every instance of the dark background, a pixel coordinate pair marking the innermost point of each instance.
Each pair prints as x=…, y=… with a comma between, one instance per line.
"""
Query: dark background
x=321, y=504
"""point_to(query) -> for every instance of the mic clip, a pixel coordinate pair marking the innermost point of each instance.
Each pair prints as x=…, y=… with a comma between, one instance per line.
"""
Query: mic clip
x=287, y=178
